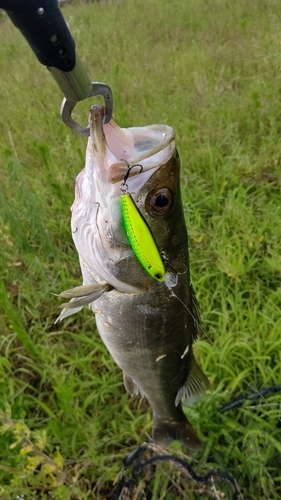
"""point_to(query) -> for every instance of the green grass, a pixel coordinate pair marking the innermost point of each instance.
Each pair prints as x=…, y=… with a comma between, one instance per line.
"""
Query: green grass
x=212, y=70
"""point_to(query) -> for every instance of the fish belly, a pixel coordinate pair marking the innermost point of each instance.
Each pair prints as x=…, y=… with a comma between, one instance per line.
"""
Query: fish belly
x=151, y=341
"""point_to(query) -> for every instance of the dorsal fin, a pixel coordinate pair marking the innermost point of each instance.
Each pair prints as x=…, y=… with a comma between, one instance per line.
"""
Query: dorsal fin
x=195, y=385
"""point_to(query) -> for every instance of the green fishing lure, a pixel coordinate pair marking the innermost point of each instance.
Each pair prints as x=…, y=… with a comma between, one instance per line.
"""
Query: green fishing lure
x=141, y=239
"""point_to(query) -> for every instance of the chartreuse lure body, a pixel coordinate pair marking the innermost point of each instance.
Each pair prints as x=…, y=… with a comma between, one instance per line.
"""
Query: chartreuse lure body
x=141, y=239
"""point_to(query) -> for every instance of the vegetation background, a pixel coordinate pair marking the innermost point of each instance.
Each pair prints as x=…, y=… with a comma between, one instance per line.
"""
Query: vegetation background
x=212, y=70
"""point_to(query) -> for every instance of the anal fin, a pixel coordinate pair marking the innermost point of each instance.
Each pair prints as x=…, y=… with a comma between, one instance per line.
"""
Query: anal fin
x=130, y=385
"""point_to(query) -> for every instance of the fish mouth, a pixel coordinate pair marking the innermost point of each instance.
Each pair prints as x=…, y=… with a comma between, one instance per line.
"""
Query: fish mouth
x=98, y=229
x=152, y=145
x=96, y=124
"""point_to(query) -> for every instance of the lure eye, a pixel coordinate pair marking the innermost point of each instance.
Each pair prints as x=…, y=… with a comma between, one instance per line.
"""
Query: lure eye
x=158, y=276
x=160, y=201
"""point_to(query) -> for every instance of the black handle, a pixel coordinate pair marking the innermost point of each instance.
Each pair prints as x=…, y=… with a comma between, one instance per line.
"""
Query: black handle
x=43, y=26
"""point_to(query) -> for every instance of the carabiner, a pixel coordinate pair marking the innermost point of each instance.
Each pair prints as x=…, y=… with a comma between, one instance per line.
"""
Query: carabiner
x=98, y=88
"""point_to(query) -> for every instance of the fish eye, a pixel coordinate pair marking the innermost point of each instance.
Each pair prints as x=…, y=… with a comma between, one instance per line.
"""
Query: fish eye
x=160, y=201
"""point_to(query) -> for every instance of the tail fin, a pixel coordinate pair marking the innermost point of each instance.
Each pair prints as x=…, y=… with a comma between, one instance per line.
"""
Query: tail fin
x=165, y=432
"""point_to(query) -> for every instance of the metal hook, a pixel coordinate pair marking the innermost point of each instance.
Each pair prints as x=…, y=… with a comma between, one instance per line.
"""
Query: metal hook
x=67, y=107
x=124, y=185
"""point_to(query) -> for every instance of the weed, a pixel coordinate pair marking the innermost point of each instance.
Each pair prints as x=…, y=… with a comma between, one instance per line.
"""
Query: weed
x=212, y=71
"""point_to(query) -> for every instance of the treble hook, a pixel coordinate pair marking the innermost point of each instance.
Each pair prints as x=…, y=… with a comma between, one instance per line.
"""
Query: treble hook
x=124, y=185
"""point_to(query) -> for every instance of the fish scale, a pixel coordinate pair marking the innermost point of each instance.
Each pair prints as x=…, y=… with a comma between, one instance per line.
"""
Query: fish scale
x=148, y=326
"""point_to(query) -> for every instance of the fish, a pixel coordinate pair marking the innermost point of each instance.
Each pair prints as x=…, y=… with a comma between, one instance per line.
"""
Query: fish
x=148, y=325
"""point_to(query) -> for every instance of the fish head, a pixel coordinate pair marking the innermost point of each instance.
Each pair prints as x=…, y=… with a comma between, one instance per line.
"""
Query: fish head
x=153, y=183
x=159, y=202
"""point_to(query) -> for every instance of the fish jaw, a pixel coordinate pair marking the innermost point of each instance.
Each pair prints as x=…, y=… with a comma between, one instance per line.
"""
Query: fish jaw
x=97, y=227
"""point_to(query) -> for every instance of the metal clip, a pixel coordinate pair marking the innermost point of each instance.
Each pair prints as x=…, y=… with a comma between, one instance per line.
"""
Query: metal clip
x=67, y=107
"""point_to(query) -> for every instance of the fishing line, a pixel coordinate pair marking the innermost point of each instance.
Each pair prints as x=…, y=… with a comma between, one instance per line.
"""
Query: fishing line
x=250, y=397
x=138, y=465
x=260, y=393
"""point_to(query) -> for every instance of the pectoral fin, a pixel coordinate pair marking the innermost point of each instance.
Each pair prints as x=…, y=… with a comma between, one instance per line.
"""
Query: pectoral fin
x=195, y=385
x=67, y=312
x=80, y=296
x=84, y=290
